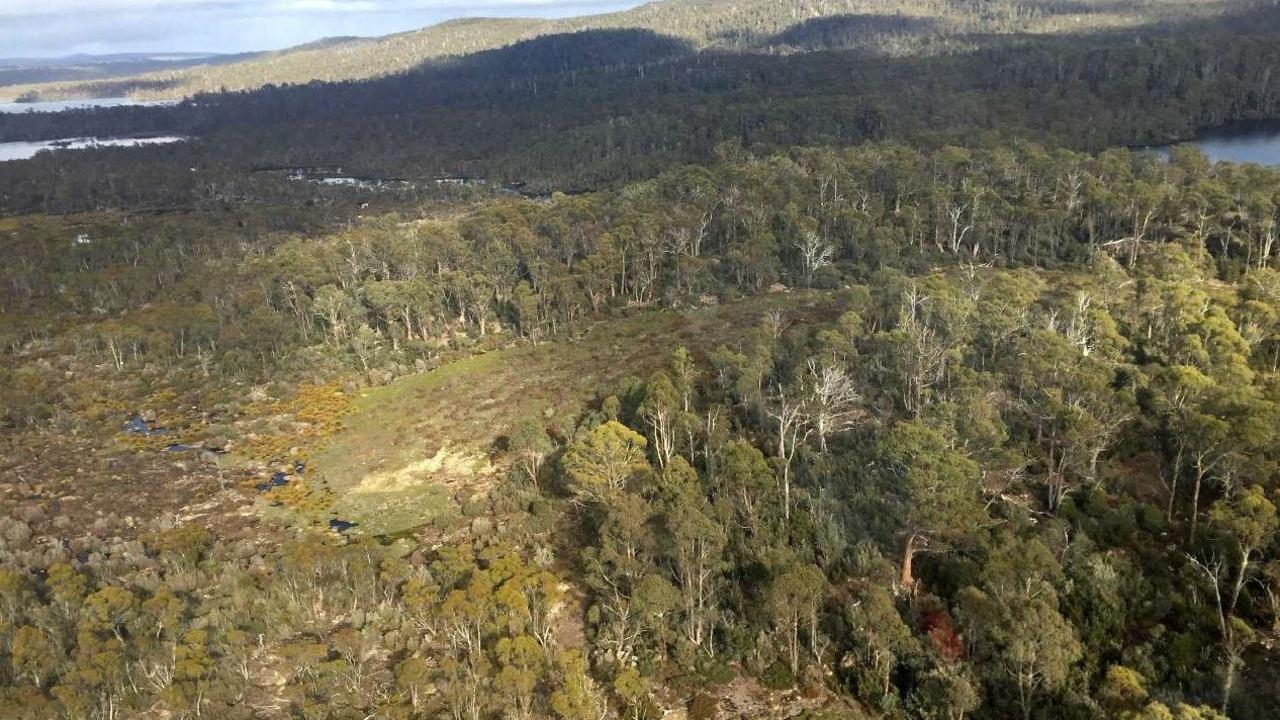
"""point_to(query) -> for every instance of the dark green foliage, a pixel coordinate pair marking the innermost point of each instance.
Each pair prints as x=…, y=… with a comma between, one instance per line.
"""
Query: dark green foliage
x=608, y=107
x=1012, y=453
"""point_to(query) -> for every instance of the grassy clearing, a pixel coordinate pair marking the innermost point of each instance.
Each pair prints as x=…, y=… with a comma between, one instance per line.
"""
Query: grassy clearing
x=418, y=493
x=408, y=452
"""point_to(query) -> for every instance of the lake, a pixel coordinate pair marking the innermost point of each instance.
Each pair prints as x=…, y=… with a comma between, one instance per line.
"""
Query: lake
x=25, y=150
x=60, y=105
x=1242, y=142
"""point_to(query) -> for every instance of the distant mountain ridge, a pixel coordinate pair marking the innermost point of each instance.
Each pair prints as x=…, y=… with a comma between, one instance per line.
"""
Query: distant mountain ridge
x=81, y=59
x=772, y=26
x=87, y=68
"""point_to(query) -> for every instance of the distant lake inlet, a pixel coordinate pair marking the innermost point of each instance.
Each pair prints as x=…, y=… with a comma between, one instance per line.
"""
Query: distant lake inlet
x=27, y=150
x=1241, y=142
x=60, y=105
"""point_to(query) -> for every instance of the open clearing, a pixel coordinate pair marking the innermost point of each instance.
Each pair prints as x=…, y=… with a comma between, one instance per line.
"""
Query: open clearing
x=411, y=451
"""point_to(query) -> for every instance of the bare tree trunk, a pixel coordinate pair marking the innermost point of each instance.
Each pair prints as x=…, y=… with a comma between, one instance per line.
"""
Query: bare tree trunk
x=1233, y=662
x=786, y=488
x=1024, y=699
x=1173, y=483
x=1195, y=498
x=907, y=580
x=795, y=642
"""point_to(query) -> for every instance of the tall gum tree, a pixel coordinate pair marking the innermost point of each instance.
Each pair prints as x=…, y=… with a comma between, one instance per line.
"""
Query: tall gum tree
x=936, y=486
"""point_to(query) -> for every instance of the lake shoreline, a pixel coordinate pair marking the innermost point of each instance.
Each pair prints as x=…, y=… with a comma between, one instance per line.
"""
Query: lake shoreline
x=12, y=106
x=26, y=150
x=1254, y=140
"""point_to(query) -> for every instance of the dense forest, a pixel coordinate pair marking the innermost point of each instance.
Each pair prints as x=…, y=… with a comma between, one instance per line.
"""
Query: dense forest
x=642, y=373
x=575, y=112
x=1026, y=469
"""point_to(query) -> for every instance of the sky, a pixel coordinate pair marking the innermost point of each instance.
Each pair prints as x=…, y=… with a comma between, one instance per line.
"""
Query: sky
x=53, y=28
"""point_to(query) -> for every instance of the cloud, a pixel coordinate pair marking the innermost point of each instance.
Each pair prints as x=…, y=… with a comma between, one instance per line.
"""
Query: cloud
x=64, y=27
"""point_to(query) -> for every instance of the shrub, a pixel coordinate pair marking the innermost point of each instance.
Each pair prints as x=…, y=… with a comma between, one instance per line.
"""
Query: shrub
x=778, y=677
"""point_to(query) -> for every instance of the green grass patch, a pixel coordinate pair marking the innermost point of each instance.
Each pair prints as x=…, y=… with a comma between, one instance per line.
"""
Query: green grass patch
x=410, y=451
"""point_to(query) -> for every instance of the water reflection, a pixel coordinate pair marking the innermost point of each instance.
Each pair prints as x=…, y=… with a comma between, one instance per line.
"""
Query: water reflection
x=1242, y=142
x=25, y=150
x=60, y=105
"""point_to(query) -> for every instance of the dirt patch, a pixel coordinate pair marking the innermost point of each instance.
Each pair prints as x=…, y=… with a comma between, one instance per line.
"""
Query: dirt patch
x=390, y=501
x=65, y=486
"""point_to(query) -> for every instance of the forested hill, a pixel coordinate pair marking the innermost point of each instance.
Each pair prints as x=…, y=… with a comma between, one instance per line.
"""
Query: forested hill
x=775, y=26
x=585, y=110
x=1008, y=451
